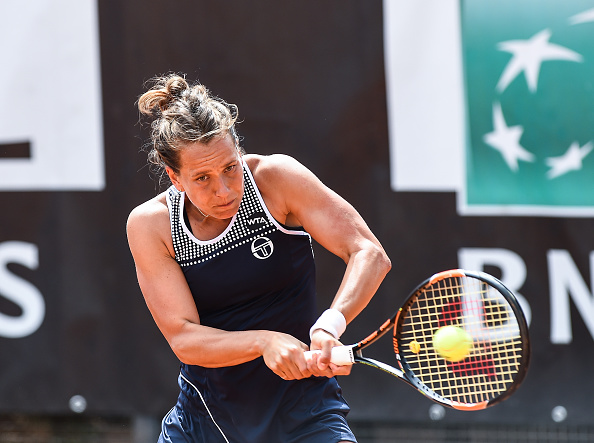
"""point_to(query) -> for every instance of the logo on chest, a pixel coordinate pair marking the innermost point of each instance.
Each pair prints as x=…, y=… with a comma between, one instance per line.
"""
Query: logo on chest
x=256, y=221
x=262, y=248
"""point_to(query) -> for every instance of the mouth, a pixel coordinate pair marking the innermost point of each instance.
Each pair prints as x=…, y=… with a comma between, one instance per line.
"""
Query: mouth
x=226, y=205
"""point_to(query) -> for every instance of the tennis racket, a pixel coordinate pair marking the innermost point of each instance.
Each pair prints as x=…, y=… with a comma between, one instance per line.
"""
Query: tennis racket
x=495, y=360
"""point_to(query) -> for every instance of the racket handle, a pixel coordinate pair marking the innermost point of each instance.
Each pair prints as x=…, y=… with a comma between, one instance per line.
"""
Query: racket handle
x=341, y=355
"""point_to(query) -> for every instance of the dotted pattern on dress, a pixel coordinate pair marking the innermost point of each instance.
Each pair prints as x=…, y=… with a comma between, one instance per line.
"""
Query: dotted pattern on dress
x=189, y=252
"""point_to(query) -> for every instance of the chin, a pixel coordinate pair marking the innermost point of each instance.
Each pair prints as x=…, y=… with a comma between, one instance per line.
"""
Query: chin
x=227, y=213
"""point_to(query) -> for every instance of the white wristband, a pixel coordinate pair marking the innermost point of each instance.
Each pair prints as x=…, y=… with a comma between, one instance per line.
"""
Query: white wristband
x=332, y=321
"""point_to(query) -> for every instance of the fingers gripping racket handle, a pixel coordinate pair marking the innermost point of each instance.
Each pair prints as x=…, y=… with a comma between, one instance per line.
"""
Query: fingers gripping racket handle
x=341, y=355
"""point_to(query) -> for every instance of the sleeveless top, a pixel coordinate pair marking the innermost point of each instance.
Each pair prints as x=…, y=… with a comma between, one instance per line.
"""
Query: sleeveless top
x=257, y=274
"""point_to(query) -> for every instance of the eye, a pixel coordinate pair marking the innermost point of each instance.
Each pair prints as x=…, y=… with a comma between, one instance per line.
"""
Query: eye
x=230, y=168
x=202, y=178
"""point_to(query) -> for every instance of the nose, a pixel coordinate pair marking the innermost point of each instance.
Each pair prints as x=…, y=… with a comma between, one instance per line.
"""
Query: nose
x=222, y=188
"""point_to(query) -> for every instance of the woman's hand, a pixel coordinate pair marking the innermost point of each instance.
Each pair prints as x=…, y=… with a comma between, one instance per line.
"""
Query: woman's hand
x=284, y=355
x=319, y=364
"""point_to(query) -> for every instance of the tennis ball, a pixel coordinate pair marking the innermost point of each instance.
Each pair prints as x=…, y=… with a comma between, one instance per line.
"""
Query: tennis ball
x=452, y=343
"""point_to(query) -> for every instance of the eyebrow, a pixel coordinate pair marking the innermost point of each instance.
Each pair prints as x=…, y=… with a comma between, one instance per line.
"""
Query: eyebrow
x=206, y=171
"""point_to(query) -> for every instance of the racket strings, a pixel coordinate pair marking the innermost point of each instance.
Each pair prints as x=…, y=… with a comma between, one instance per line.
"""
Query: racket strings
x=495, y=357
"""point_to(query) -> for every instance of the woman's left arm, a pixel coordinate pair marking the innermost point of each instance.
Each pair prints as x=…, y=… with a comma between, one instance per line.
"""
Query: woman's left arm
x=299, y=198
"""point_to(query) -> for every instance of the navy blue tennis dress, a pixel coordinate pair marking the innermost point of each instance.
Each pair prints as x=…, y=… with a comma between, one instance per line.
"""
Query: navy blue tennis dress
x=258, y=274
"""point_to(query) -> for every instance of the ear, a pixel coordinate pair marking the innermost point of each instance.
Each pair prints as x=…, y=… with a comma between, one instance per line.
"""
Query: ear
x=174, y=179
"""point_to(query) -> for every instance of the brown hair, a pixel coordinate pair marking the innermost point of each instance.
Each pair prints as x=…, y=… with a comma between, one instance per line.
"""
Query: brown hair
x=183, y=113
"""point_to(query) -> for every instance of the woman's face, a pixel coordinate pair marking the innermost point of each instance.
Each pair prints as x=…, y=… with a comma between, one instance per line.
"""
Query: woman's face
x=212, y=176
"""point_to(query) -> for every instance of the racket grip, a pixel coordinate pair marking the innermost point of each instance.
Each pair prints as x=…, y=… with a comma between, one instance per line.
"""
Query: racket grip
x=341, y=355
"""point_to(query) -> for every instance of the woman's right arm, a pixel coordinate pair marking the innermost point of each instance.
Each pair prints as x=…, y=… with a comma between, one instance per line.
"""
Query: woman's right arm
x=172, y=306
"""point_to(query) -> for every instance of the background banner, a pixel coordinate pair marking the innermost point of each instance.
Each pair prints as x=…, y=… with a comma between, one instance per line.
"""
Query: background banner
x=391, y=105
x=529, y=73
x=51, y=121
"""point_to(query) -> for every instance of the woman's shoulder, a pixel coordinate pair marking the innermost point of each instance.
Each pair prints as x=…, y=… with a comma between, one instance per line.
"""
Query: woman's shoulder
x=153, y=214
x=284, y=184
x=273, y=168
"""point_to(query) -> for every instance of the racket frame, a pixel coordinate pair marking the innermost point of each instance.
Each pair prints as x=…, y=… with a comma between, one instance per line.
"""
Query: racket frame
x=405, y=373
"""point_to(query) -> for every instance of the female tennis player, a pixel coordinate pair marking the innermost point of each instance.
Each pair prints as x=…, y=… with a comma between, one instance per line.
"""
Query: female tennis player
x=224, y=261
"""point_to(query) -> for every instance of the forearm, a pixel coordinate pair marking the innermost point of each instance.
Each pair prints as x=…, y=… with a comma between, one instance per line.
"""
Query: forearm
x=214, y=348
x=366, y=269
x=200, y=345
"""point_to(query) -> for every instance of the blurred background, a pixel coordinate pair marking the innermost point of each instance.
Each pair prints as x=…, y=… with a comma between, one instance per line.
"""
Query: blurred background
x=461, y=130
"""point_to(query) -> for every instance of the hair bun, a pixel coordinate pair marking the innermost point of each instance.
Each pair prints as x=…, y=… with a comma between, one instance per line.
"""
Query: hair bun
x=176, y=86
x=165, y=90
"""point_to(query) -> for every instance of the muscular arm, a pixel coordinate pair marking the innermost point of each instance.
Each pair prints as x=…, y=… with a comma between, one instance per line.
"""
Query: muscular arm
x=298, y=197
x=170, y=302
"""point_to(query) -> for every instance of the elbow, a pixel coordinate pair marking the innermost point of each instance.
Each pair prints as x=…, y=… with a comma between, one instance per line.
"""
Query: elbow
x=377, y=258
x=181, y=349
x=384, y=263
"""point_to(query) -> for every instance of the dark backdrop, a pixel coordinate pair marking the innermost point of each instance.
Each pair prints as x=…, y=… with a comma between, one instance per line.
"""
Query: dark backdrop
x=308, y=78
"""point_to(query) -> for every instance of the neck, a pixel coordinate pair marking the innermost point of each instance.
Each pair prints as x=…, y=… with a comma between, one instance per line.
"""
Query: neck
x=202, y=213
x=189, y=204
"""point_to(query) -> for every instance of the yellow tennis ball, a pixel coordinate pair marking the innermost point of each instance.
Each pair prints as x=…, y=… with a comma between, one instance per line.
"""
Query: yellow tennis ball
x=452, y=343
x=414, y=347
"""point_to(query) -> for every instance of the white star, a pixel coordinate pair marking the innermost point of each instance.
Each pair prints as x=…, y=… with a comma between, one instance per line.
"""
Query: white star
x=570, y=161
x=528, y=55
x=583, y=17
x=506, y=140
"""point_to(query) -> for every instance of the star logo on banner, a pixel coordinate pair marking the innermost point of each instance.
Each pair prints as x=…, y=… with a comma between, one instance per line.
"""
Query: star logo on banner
x=529, y=91
x=583, y=17
x=570, y=161
x=506, y=140
x=528, y=56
